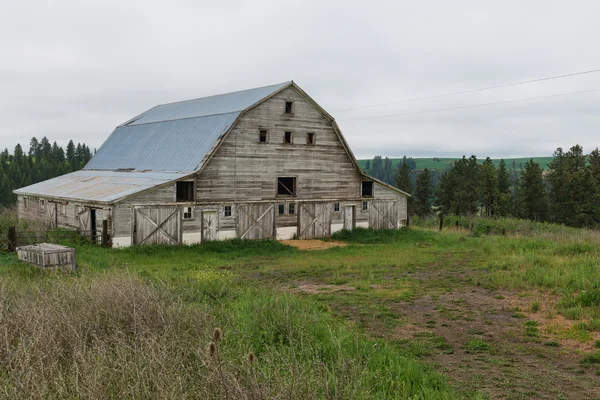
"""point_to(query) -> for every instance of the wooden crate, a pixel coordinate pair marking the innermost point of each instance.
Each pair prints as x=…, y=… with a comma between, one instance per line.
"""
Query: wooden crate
x=48, y=255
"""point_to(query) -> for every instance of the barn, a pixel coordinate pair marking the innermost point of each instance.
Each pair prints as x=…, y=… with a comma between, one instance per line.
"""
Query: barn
x=261, y=163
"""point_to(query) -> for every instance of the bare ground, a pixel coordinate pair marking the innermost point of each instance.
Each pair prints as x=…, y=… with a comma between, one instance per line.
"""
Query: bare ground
x=313, y=244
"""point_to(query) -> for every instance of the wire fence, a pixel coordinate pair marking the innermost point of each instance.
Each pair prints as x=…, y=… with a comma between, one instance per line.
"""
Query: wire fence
x=16, y=238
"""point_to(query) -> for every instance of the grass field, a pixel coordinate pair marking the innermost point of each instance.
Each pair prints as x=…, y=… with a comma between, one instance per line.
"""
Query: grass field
x=392, y=314
x=443, y=163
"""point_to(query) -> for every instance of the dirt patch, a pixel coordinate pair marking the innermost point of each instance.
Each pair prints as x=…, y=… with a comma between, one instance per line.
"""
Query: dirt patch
x=313, y=244
x=311, y=288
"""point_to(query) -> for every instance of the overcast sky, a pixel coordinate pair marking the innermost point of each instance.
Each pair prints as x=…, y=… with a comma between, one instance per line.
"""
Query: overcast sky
x=76, y=69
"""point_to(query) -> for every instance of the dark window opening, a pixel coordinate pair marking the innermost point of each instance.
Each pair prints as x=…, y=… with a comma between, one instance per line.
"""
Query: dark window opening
x=336, y=207
x=286, y=186
x=287, y=138
x=310, y=138
x=289, y=107
x=367, y=188
x=292, y=208
x=365, y=205
x=281, y=209
x=227, y=211
x=185, y=191
x=187, y=213
x=262, y=136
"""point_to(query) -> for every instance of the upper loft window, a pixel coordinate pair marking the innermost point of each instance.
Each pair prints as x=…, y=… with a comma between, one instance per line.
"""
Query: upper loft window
x=185, y=191
x=310, y=138
x=286, y=186
x=289, y=107
x=227, y=211
x=287, y=137
x=367, y=189
x=262, y=136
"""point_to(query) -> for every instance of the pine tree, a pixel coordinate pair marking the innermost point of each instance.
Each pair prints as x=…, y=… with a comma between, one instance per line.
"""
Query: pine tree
x=532, y=193
x=504, y=193
x=489, y=191
x=403, y=183
x=423, y=194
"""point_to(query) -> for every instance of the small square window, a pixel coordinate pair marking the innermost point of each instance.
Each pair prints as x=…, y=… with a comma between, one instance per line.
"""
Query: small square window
x=187, y=213
x=289, y=107
x=227, y=211
x=310, y=138
x=262, y=136
x=336, y=207
x=292, y=208
x=365, y=205
x=42, y=205
x=287, y=137
x=281, y=209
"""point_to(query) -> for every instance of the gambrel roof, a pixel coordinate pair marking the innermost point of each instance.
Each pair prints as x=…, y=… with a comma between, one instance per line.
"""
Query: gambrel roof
x=176, y=137
x=166, y=143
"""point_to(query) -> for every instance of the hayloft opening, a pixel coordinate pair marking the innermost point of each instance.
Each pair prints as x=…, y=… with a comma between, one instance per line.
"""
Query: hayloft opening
x=310, y=138
x=367, y=189
x=289, y=107
x=185, y=191
x=287, y=137
x=286, y=186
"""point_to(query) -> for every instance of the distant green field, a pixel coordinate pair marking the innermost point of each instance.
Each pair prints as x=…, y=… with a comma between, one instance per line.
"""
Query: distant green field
x=442, y=164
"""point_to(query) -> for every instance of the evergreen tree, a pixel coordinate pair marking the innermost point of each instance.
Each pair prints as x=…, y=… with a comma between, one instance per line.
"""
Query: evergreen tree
x=423, y=194
x=367, y=164
x=403, y=183
x=489, y=188
x=459, y=188
x=533, y=202
x=504, y=193
x=574, y=191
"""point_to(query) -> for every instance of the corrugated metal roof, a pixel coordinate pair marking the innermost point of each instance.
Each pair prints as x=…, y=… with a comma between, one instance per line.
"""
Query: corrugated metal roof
x=178, y=145
x=212, y=105
x=99, y=186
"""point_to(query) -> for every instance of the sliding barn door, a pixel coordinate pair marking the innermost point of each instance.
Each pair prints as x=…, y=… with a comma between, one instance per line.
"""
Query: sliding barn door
x=256, y=221
x=383, y=215
x=314, y=220
x=157, y=225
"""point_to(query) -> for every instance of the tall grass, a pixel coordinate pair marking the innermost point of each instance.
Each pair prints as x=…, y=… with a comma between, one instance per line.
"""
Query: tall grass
x=112, y=335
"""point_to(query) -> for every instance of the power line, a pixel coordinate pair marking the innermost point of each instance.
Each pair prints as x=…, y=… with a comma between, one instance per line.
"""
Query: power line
x=472, y=90
x=474, y=105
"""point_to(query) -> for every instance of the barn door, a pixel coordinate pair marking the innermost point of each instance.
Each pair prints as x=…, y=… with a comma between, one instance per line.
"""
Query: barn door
x=314, y=220
x=349, y=218
x=157, y=225
x=209, y=225
x=51, y=217
x=85, y=221
x=383, y=215
x=256, y=221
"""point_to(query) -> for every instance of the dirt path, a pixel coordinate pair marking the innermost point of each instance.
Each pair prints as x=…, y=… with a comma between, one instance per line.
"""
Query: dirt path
x=313, y=244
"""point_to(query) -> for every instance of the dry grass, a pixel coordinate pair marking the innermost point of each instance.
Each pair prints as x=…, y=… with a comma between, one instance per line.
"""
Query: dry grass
x=111, y=337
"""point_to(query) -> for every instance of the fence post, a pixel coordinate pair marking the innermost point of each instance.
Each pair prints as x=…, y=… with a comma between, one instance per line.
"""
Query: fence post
x=456, y=225
x=104, y=233
x=407, y=220
x=441, y=223
x=12, y=238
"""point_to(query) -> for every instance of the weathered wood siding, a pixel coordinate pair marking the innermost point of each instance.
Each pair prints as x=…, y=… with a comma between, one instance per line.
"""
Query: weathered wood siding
x=380, y=192
x=243, y=169
x=162, y=195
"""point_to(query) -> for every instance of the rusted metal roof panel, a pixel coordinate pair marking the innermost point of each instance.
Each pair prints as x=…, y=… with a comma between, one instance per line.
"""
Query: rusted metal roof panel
x=178, y=145
x=99, y=186
x=212, y=105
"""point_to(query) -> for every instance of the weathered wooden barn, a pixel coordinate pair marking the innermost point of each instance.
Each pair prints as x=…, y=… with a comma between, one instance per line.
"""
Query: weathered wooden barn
x=260, y=163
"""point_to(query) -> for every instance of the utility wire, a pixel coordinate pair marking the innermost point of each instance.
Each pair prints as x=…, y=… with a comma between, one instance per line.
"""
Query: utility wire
x=472, y=90
x=474, y=105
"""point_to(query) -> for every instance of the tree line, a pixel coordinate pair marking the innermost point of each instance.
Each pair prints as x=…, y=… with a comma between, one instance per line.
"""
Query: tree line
x=568, y=193
x=41, y=161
